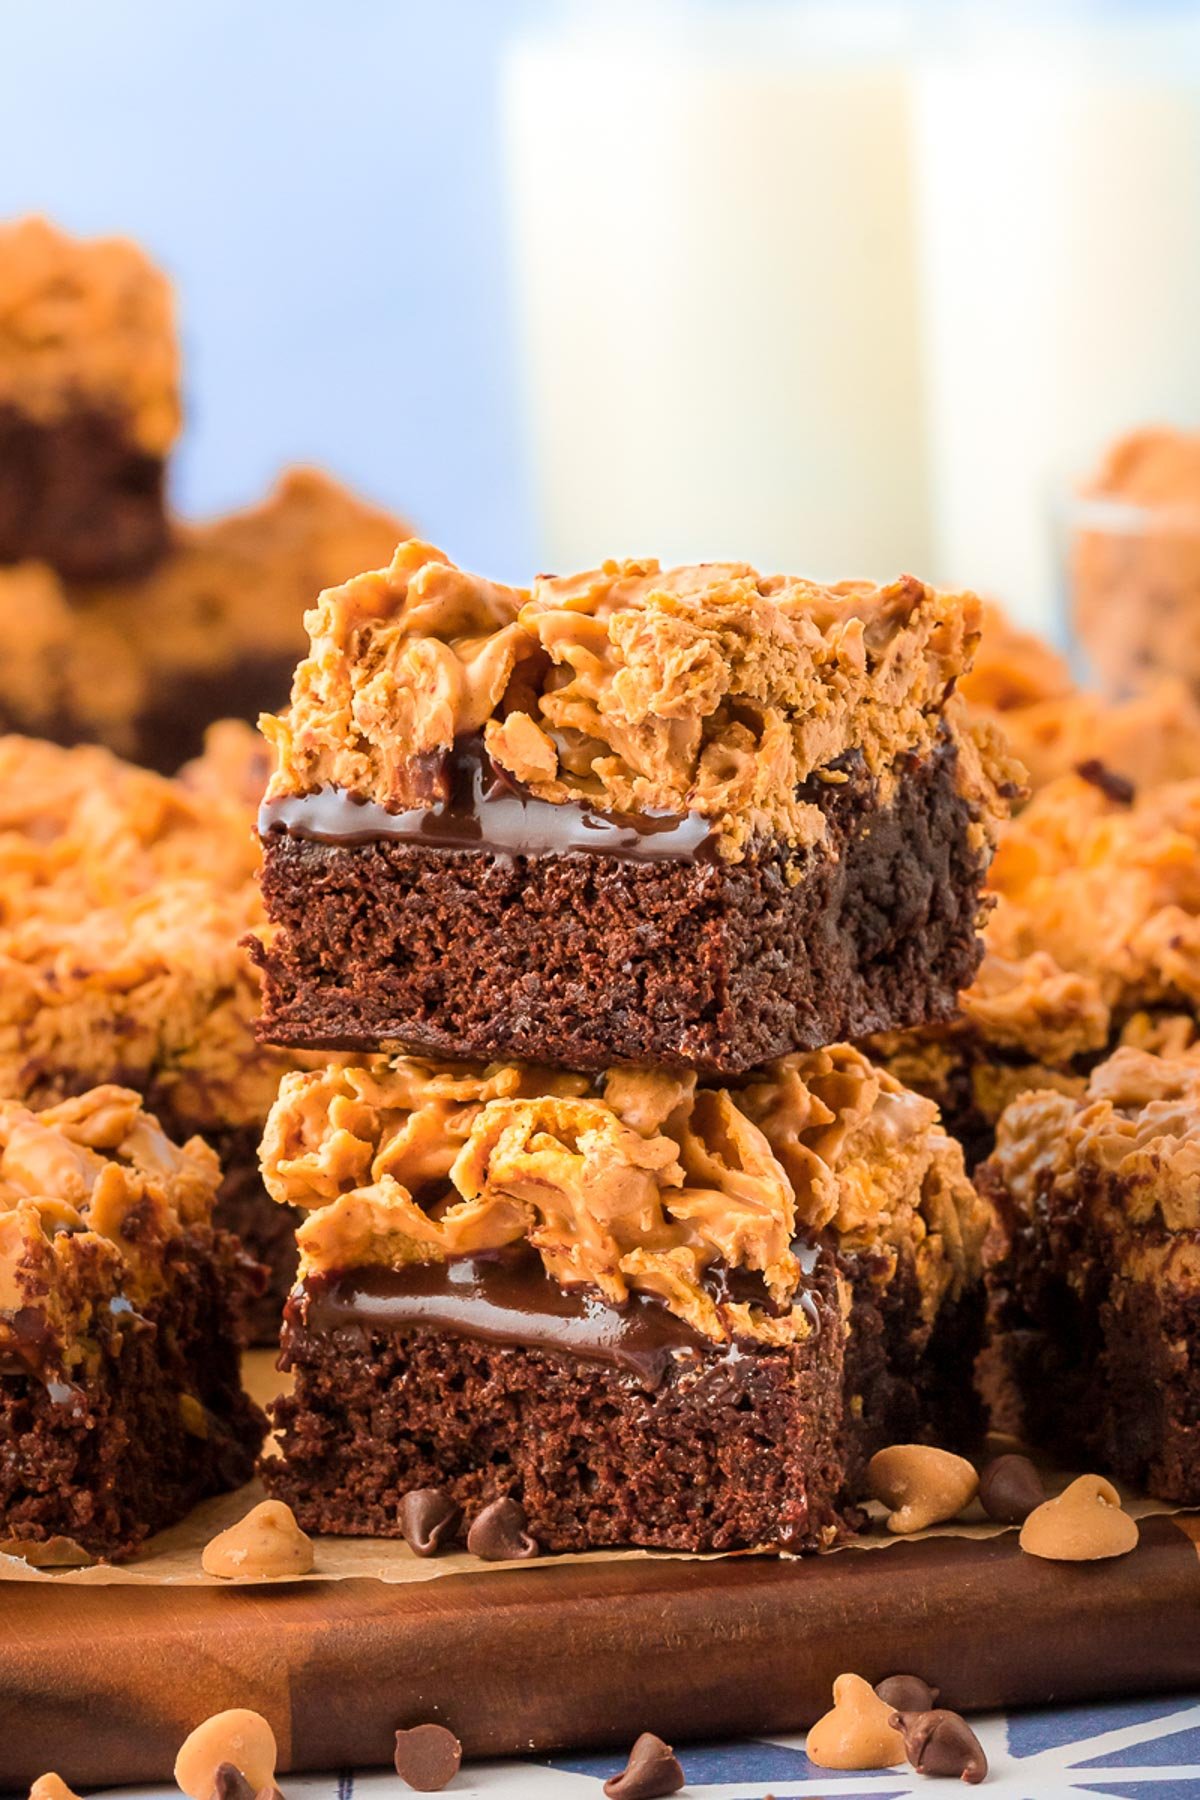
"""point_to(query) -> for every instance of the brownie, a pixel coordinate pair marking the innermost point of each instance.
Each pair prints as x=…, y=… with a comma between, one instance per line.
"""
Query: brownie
x=657, y=1311
x=123, y=896
x=696, y=817
x=89, y=402
x=213, y=631
x=1094, y=1273
x=1093, y=943
x=120, y=1397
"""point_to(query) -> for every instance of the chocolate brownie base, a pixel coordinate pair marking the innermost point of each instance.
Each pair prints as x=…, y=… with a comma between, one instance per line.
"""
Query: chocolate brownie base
x=119, y=1455
x=907, y=1380
x=580, y=960
x=1098, y=1365
x=267, y=1230
x=170, y=730
x=77, y=494
x=727, y=1449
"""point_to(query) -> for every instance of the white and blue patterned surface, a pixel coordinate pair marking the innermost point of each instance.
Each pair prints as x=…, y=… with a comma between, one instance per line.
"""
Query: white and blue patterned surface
x=1127, y=1750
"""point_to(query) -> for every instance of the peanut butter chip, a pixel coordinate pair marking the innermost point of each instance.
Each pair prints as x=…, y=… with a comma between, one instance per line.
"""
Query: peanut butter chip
x=856, y=1733
x=266, y=1544
x=920, y=1485
x=1082, y=1524
x=51, y=1787
x=239, y=1737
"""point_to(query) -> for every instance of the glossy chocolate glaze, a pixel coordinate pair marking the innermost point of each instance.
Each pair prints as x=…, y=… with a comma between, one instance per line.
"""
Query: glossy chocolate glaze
x=507, y=1298
x=474, y=804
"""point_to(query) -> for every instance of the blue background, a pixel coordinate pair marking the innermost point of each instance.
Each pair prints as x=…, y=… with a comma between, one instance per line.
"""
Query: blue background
x=323, y=182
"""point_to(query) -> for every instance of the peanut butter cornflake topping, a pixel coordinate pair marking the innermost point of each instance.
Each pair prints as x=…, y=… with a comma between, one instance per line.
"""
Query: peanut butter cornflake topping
x=708, y=689
x=87, y=322
x=91, y=1194
x=640, y=1185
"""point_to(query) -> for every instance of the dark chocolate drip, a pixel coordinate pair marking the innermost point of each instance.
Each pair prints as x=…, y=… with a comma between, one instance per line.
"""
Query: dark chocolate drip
x=509, y=1299
x=476, y=805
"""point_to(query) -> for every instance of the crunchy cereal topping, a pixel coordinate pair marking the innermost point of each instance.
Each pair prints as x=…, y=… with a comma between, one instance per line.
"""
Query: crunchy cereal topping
x=91, y=1194
x=123, y=897
x=709, y=689
x=639, y=1187
x=87, y=321
x=1137, y=1127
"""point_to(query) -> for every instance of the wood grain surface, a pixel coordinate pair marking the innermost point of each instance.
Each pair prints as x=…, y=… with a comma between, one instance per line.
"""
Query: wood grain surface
x=103, y=1684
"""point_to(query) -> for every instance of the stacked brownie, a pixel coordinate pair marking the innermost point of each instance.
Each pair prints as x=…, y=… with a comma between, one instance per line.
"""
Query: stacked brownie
x=608, y=1220
x=118, y=623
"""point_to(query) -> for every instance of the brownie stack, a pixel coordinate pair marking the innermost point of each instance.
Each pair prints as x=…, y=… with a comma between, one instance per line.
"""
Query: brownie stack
x=606, y=1216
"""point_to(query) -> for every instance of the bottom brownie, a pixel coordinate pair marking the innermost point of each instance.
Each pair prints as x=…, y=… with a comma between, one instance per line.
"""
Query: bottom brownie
x=120, y=1396
x=702, y=1448
x=161, y=1423
x=1094, y=1277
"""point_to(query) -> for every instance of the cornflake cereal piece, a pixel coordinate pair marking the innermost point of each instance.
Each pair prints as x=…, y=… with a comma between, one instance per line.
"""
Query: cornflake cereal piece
x=921, y=1486
x=267, y=1544
x=238, y=1736
x=855, y=1733
x=1085, y=1523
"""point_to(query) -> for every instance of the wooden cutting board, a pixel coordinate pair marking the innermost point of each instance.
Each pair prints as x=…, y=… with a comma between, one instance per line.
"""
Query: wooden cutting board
x=103, y=1684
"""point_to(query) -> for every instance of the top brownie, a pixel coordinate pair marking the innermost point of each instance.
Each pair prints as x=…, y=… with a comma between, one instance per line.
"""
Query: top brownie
x=89, y=401
x=695, y=816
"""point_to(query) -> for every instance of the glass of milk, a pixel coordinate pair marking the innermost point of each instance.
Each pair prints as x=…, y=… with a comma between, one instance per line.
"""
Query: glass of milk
x=1057, y=167
x=712, y=219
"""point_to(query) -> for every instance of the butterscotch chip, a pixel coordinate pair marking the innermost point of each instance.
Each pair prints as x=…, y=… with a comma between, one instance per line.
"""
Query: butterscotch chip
x=855, y=1733
x=1085, y=1523
x=920, y=1485
x=266, y=1544
x=51, y=1787
x=239, y=1737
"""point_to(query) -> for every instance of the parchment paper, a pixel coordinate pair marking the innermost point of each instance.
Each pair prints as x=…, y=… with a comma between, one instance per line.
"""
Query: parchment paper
x=172, y=1558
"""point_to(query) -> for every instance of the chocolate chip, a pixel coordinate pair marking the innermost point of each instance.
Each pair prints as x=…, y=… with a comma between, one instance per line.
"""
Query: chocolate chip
x=941, y=1743
x=498, y=1533
x=1117, y=788
x=427, y=1757
x=907, y=1693
x=1009, y=1489
x=653, y=1769
x=429, y=1520
x=230, y=1784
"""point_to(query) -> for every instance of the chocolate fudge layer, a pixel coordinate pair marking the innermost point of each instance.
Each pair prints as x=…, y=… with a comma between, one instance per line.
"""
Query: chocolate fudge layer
x=120, y=1398
x=1094, y=1272
x=89, y=402
x=655, y=1311
x=215, y=630
x=123, y=897
x=1094, y=942
x=696, y=817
